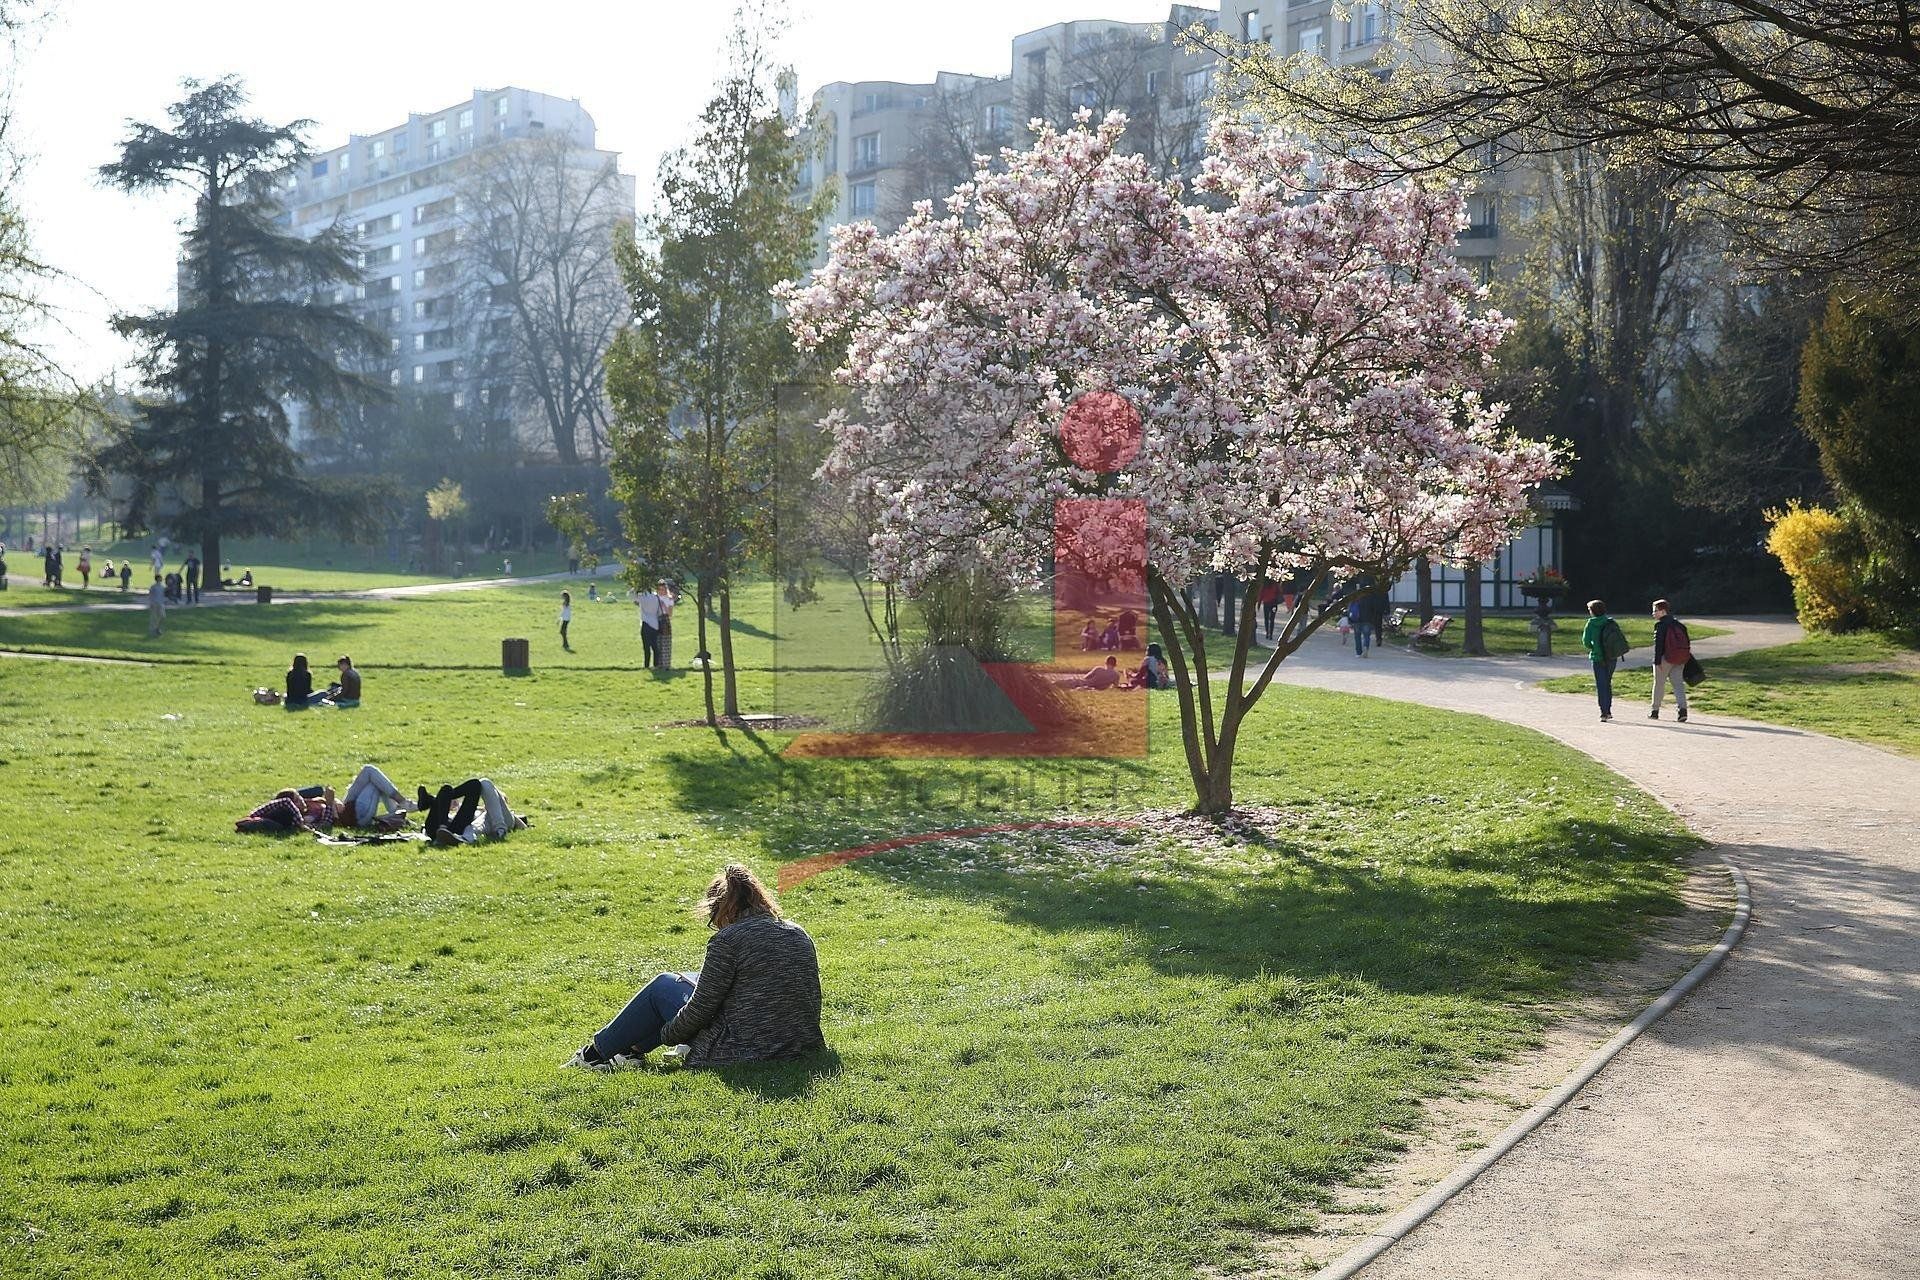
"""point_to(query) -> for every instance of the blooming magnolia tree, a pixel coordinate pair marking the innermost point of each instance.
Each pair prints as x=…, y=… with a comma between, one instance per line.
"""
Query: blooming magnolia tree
x=1303, y=349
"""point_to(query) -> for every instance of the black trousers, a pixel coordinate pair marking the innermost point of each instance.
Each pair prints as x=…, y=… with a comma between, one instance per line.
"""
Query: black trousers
x=468, y=794
x=650, y=645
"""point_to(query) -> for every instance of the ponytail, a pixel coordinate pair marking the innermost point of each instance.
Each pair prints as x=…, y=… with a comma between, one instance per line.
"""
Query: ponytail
x=734, y=894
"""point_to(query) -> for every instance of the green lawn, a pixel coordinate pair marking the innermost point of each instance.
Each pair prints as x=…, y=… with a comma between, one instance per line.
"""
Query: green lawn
x=1861, y=686
x=1056, y=1055
x=1513, y=633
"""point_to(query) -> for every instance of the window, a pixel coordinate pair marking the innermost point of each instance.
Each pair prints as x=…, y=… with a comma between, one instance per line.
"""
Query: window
x=466, y=118
x=1083, y=95
x=1250, y=26
x=875, y=101
x=393, y=377
x=1198, y=84
x=378, y=147
x=419, y=246
x=460, y=397
x=393, y=314
x=419, y=342
x=500, y=108
x=1364, y=27
x=866, y=151
x=419, y=374
x=399, y=144
x=1153, y=84
x=1313, y=42
x=393, y=346
x=420, y=278
x=437, y=128
x=319, y=168
x=864, y=195
x=419, y=310
x=999, y=119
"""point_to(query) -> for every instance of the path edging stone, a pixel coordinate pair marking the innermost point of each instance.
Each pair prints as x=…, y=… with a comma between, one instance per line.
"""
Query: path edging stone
x=1401, y=1224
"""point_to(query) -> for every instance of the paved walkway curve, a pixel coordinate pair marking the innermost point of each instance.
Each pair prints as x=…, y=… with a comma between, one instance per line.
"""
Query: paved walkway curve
x=1769, y=1127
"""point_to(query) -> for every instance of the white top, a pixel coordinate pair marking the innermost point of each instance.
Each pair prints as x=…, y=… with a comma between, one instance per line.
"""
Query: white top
x=566, y=613
x=666, y=605
x=159, y=560
x=157, y=595
x=649, y=608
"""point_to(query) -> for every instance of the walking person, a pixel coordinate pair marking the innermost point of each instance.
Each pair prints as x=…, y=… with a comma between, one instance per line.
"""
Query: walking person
x=1269, y=605
x=566, y=616
x=649, y=627
x=159, y=558
x=1672, y=646
x=126, y=574
x=191, y=572
x=60, y=567
x=86, y=567
x=664, y=590
x=156, y=607
x=1606, y=644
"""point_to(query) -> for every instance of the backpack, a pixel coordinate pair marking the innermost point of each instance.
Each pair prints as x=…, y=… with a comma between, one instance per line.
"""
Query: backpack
x=1613, y=642
x=1679, y=644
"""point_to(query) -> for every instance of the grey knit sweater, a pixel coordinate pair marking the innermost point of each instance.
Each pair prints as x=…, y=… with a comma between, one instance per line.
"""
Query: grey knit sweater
x=758, y=996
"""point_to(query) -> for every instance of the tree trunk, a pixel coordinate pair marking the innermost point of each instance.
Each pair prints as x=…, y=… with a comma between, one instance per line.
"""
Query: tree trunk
x=1423, y=586
x=729, y=683
x=706, y=670
x=1473, y=642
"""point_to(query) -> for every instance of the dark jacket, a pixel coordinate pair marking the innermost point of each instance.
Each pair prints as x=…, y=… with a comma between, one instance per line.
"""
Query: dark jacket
x=1662, y=630
x=299, y=684
x=758, y=996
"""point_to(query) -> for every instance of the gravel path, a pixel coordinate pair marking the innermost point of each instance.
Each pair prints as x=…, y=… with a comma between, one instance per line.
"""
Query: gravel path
x=1766, y=1128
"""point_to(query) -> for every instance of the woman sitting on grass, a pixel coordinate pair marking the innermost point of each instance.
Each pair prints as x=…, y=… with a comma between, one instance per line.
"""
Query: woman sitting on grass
x=299, y=683
x=757, y=996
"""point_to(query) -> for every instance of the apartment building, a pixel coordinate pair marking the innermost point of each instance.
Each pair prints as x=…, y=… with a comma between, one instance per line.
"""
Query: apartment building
x=400, y=192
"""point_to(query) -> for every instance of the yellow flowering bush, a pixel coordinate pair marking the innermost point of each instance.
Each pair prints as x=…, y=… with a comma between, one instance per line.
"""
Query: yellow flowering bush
x=1819, y=550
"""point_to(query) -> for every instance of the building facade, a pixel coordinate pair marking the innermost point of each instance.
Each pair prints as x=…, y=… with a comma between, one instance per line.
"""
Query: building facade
x=403, y=193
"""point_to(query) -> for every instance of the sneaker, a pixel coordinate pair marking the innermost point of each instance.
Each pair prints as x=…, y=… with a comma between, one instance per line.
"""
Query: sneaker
x=587, y=1058
x=1654, y=714
x=1606, y=715
x=1682, y=717
x=445, y=838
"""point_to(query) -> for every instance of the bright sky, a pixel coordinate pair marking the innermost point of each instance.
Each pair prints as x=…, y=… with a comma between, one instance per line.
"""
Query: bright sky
x=642, y=68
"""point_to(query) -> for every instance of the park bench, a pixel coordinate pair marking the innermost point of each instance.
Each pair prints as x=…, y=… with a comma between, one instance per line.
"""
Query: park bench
x=1430, y=634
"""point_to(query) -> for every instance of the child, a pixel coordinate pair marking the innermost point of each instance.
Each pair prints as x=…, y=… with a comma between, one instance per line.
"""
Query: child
x=1089, y=637
x=566, y=616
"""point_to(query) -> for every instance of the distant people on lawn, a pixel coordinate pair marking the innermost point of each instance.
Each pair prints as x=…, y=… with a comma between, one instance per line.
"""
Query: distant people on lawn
x=191, y=573
x=85, y=566
x=314, y=807
x=126, y=574
x=1269, y=605
x=483, y=810
x=566, y=616
x=344, y=692
x=1672, y=646
x=756, y=996
x=159, y=558
x=664, y=590
x=1106, y=676
x=649, y=603
x=1151, y=673
x=298, y=691
x=1090, y=636
x=156, y=607
x=1606, y=644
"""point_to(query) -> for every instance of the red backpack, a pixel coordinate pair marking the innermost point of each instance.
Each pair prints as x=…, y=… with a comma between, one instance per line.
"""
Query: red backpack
x=1679, y=644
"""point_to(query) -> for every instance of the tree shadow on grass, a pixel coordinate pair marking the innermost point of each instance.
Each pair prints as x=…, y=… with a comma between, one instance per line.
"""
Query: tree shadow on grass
x=1503, y=917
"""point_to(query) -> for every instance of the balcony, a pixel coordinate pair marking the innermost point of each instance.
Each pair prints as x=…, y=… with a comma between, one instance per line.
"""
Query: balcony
x=1481, y=231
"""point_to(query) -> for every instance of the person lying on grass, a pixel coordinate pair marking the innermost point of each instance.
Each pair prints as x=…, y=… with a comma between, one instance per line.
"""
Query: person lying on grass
x=479, y=798
x=755, y=997
x=314, y=808
x=1101, y=677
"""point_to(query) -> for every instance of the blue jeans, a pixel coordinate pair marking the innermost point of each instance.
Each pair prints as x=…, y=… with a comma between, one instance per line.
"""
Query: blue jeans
x=636, y=1028
x=1362, y=638
x=1603, y=684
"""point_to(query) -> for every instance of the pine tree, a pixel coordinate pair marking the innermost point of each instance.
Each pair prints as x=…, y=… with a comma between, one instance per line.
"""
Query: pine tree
x=253, y=331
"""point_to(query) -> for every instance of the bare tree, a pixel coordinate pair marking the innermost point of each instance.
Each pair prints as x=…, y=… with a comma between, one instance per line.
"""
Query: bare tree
x=539, y=288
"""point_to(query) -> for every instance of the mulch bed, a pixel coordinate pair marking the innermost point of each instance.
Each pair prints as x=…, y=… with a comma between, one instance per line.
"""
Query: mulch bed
x=761, y=723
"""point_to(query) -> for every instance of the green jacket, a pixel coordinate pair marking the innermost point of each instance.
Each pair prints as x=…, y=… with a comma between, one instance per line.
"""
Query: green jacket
x=1590, y=636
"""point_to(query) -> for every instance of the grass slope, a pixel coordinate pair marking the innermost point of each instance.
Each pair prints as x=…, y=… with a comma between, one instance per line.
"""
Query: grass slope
x=1509, y=634
x=1055, y=1055
x=1862, y=686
